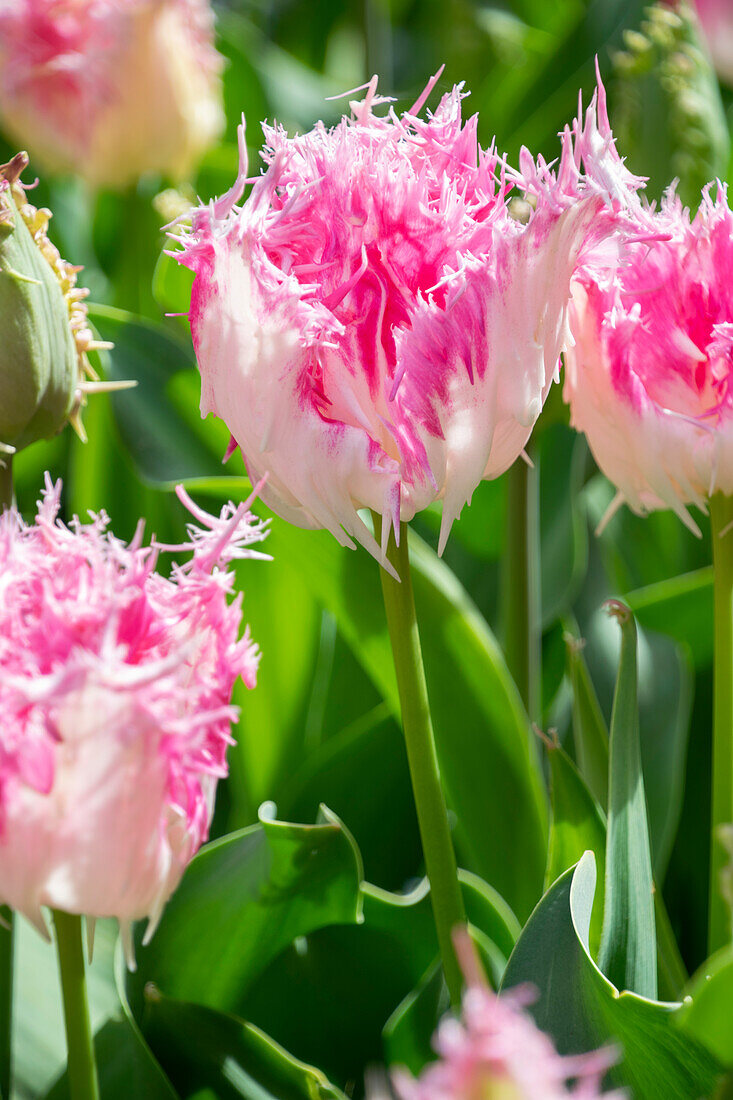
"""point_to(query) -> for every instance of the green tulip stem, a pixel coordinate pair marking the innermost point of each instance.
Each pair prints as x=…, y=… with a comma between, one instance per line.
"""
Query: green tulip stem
x=7, y=493
x=432, y=813
x=6, y=999
x=721, y=517
x=82, y=1068
x=521, y=586
x=7, y=499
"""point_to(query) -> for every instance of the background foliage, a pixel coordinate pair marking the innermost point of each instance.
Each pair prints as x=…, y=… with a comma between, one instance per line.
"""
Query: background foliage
x=320, y=933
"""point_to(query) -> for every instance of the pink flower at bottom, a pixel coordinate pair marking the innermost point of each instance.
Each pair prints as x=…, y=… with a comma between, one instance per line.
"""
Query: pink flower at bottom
x=115, y=688
x=373, y=325
x=496, y=1052
x=650, y=377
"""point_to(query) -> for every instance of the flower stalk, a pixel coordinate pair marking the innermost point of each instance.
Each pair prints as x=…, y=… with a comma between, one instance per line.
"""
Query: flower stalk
x=82, y=1067
x=7, y=491
x=432, y=813
x=721, y=517
x=521, y=582
x=6, y=999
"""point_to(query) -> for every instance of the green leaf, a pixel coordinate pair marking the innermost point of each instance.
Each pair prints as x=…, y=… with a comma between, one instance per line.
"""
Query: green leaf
x=628, y=952
x=582, y=1010
x=260, y=761
x=706, y=1008
x=260, y=889
x=590, y=735
x=327, y=997
x=577, y=824
x=681, y=607
x=201, y=1048
x=488, y=763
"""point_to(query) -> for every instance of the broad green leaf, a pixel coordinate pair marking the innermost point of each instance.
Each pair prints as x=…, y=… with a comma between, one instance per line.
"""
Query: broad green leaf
x=201, y=1048
x=665, y=699
x=628, y=951
x=577, y=824
x=260, y=889
x=681, y=607
x=328, y=996
x=590, y=735
x=362, y=774
x=270, y=732
x=488, y=762
x=582, y=1010
x=706, y=1008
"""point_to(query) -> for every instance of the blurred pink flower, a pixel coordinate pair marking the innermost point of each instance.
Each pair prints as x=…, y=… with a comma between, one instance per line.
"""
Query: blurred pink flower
x=716, y=17
x=650, y=378
x=374, y=326
x=110, y=89
x=115, y=687
x=496, y=1050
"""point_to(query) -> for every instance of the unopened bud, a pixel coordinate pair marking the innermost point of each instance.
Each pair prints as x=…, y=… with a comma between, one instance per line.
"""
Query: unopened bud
x=44, y=335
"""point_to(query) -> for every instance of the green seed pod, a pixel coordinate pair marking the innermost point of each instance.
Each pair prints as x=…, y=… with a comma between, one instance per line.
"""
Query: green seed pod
x=667, y=113
x=43, y=331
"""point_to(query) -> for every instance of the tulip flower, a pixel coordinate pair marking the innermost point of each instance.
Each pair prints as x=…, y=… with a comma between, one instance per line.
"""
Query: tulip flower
x=650, y=382
x=379, y=323
x=110, y=89
x=649, y=378
x=115, y=687
x=496, y=1050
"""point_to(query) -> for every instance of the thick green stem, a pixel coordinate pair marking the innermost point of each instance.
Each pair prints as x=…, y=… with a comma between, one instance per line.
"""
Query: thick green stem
x=521, y=586
x=82, y=1068
x=432, y=814
x=7, y=494
x=721, y=516
x=6, y=999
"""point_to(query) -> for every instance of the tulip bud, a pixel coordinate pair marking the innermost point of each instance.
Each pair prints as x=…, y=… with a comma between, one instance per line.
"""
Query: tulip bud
x=669, y=117
x=39, y=360
x=111, y=89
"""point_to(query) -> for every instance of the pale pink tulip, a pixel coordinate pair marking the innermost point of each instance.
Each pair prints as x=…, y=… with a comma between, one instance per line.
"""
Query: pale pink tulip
x=496, y=1050
x=110, y=89
x=716, y=17
x=374, y=326
x=115, y=688
x=650, y=378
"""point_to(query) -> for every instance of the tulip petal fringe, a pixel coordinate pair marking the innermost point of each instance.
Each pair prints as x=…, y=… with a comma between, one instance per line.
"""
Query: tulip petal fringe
x=115, y=687
x=376, y=324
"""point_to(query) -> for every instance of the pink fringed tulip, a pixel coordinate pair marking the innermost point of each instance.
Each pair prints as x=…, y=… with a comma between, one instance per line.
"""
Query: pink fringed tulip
x=115, y=687
x=496, y=1051
x=650, y=378
x=374, y=326
x=110, y=89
